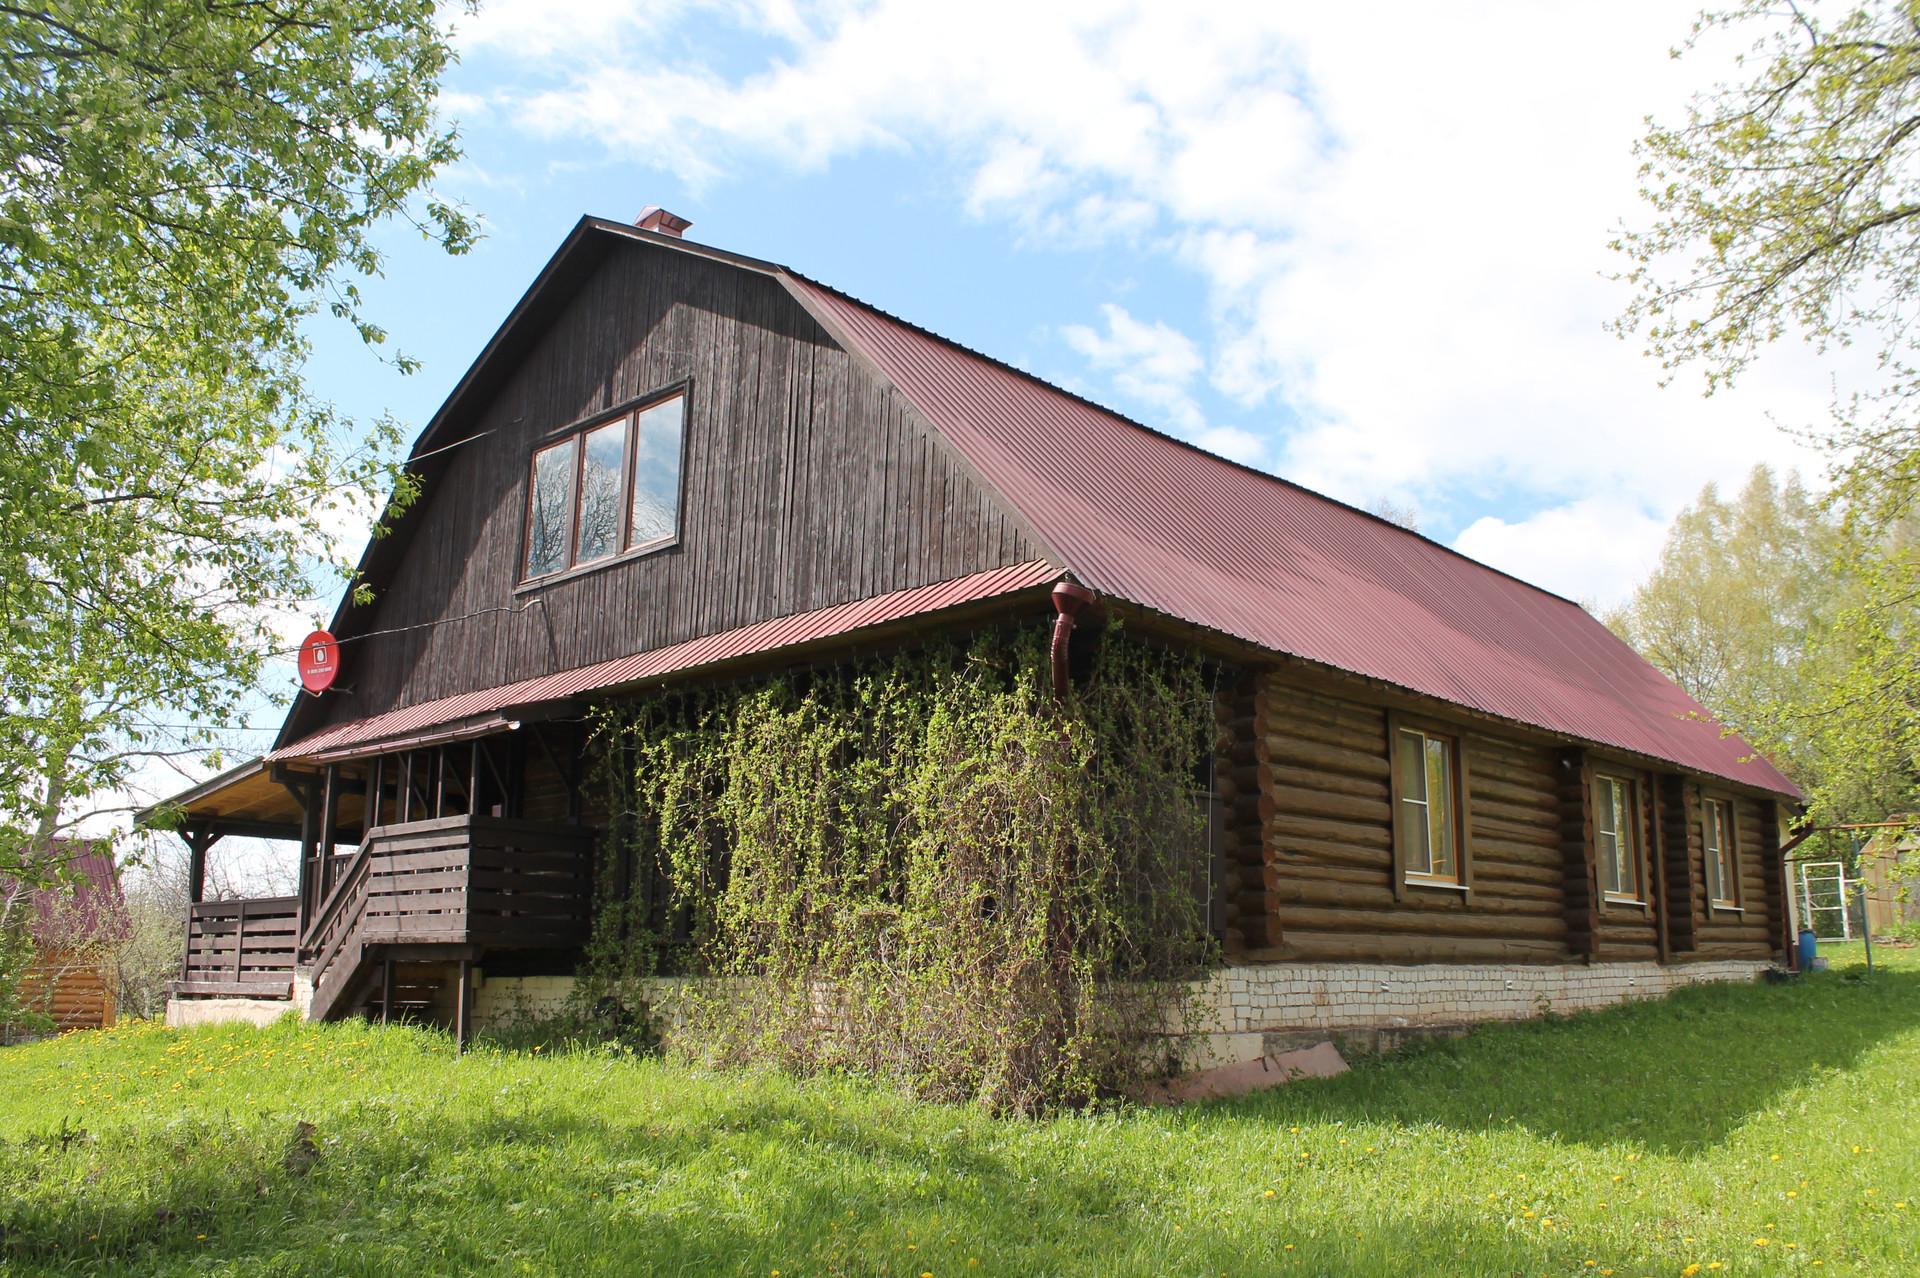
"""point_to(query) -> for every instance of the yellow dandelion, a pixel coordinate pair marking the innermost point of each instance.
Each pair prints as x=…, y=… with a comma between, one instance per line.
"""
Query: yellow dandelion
x=1691, y=1270
x=1269, y=1193
x=1761, y=1242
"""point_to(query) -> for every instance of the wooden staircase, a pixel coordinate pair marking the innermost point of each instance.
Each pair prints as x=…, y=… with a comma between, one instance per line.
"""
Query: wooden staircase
x=429, y=896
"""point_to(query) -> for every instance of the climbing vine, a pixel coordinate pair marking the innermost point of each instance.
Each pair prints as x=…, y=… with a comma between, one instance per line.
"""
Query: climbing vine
x=921, y=868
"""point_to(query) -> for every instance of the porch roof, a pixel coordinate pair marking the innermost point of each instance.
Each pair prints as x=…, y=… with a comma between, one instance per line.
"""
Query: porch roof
x=242, y=794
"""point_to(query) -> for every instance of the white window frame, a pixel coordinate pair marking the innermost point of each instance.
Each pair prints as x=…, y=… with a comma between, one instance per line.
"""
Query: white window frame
x=1722, y=854
x=1612, y=891
x=1416, y=813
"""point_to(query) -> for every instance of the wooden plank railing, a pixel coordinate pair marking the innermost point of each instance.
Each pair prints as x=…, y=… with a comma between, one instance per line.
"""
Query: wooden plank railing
x=239, y=948
x=485, y=881
x=493, y=882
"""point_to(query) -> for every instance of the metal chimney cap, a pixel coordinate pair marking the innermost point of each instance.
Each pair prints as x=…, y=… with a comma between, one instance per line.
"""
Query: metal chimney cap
x=655, y=218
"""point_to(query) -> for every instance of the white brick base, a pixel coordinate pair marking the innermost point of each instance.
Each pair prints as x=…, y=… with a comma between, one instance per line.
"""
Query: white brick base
x=502, y=1000
x=1254, y=1010
x=1257, y=1009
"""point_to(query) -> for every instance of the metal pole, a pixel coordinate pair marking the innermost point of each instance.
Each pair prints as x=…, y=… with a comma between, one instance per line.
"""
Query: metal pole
x=386, y=990
x=460, y=1008
x=1866, y=932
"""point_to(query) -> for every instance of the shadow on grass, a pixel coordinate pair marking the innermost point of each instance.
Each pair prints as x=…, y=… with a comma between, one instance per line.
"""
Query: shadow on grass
x=1674, y=1075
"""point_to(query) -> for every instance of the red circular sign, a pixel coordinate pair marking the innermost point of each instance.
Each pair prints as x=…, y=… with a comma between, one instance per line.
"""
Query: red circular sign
x=319, y=661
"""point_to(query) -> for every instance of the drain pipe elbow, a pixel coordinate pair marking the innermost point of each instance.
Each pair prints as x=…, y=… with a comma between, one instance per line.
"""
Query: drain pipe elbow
x=1069, y=600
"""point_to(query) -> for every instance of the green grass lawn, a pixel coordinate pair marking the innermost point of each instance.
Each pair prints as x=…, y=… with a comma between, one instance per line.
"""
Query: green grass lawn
x=1736, y=1130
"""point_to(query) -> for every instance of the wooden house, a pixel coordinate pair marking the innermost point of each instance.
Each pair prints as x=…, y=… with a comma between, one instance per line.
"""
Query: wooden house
x=75, y=928
x=1442, y=794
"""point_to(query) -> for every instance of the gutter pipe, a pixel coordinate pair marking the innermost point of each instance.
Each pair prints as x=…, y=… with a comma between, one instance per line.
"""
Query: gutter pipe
x=1069, y=600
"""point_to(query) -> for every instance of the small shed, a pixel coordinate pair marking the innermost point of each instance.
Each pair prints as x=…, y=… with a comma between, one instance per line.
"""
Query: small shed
x=76, y=927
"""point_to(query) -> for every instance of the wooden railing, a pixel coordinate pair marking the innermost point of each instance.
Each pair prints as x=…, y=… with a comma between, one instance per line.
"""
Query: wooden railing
x=480, y=882
x=240, y=948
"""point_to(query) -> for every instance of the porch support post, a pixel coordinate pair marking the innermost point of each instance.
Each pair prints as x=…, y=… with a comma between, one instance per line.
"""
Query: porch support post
x=386, y=990
x=376, y=795
x=309, y=857
x=198, y=839
x=329, y=822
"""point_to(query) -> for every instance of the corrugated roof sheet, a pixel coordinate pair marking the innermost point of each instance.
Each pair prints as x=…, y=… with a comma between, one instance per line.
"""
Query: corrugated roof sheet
x=765, y=636
x=1151, y=520
x=87, y=908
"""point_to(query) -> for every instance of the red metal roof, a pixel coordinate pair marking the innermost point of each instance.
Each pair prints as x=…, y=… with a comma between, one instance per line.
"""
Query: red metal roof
x=765, y=636
x=1146, y=518
x=86, y=908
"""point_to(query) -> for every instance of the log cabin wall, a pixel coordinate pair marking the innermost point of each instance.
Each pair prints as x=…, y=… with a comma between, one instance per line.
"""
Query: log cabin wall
x=1684, y=880
x=1243, y=778
x=1629, y=929
x=1580, y=886
x=1746, y=931
x=1328, y=836
x=807, y=482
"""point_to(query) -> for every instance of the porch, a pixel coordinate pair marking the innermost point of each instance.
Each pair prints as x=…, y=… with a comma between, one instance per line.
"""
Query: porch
x=415, y=862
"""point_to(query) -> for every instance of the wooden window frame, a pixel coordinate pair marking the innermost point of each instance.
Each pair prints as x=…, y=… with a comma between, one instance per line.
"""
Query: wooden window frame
x=578, y=431
x=1403, y=879
x=1642, y=895
x=1732, y=904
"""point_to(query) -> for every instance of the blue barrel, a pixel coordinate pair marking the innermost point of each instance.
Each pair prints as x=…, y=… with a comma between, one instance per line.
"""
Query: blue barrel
x=1809, y=946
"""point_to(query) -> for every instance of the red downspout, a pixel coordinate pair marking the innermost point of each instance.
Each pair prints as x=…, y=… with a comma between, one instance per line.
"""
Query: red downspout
x=1070, y=601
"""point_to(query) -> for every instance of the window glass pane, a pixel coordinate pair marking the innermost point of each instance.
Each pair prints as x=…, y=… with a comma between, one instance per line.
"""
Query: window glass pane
x=550, y=510
x=1720, y=853
x=1715, y=891
x=656, y=471
x=1440, y=805
x=1415, y=854
x=1623, y=824
x=603, y=463
x=1609, y=851
x=1413, y=771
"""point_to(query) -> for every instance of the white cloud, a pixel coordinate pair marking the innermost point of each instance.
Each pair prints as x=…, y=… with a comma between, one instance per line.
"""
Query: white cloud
x=1150, y=362
x=1403, y=236
x=1593, y=550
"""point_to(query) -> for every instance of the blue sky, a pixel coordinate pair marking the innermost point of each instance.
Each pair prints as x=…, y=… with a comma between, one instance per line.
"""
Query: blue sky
x=1364, y=249
x=1371, y=259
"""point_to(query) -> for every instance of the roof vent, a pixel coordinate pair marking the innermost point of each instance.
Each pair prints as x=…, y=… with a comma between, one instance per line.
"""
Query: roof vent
x=655, y=218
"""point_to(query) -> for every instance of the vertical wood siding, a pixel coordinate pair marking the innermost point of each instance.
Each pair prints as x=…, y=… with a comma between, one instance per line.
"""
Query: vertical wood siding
x=808, y=482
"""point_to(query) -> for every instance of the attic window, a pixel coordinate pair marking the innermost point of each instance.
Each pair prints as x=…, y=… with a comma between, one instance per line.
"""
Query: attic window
x=607, y=489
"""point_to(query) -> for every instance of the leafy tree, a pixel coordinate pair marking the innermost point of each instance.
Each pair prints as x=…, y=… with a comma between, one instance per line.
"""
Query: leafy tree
x=1739, y=599
x=1789, y=204
x=1742, y=612
x=187, y=181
